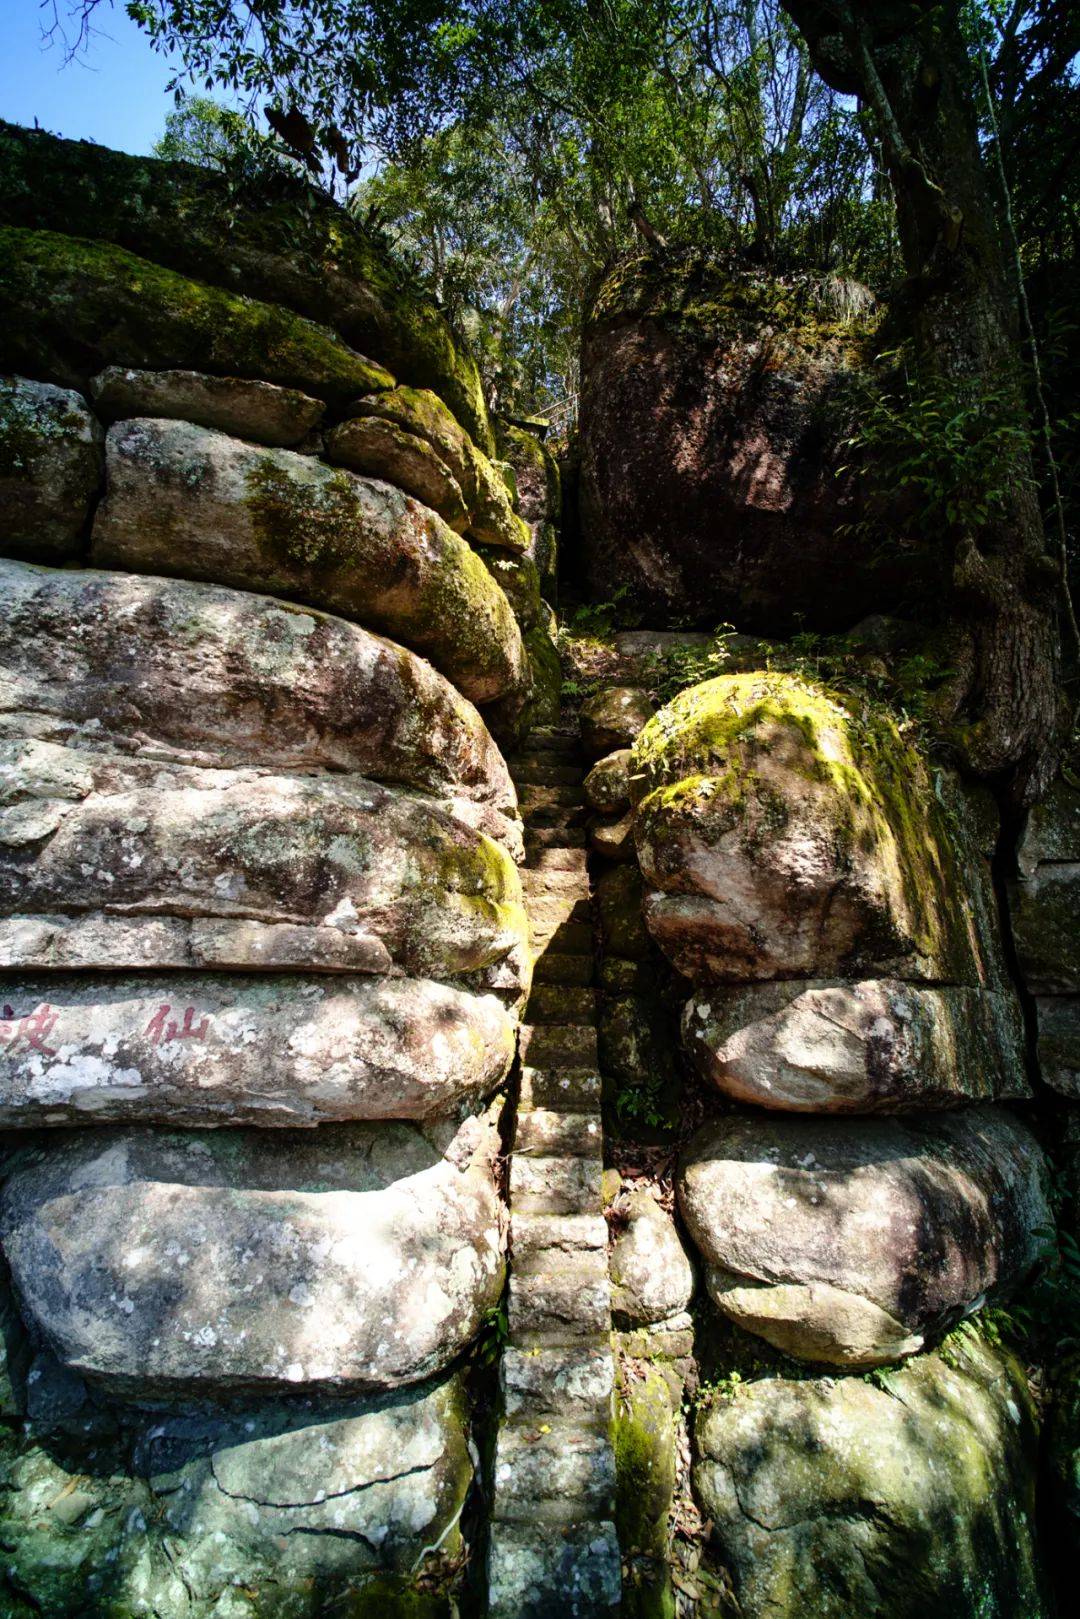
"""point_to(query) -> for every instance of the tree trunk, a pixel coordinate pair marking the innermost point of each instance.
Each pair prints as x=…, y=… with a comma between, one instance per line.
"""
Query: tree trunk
x=909, y=64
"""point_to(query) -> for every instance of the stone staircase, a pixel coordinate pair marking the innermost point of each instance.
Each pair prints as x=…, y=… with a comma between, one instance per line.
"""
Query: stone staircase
x=553, y=1547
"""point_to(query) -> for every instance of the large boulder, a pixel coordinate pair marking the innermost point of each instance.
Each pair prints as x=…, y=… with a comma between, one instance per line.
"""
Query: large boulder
x=880, y=1045
x=97, y=659
x=709, y=451
x=912, y=1498
x=357, y=1257
x=280, y=1050
x=255, y=410
x=236, y=868
x=274, y=236
x=853, y=1240
x=785, y=834
x=70, y=307
x=187, y=501
x=287, y=1505
x=52, y=467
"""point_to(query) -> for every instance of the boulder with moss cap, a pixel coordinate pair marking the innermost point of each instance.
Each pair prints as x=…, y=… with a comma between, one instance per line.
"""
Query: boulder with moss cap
x=186, y=501
x=786, y=833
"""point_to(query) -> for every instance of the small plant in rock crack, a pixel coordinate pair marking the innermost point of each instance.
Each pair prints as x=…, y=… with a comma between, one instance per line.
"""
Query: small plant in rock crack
x=1047, y=1313
x=640, y=1104
x=493, y=1333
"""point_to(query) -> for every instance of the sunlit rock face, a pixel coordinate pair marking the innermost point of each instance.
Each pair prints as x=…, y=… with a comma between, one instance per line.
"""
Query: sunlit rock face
x=910, y=1498
x=154, y=1263
x=850, y=1241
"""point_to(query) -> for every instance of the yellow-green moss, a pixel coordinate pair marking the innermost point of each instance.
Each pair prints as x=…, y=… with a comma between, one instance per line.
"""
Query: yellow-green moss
x=73, y=305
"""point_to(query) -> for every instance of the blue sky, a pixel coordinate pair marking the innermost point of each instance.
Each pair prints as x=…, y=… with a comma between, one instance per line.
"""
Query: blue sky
x=115, y=96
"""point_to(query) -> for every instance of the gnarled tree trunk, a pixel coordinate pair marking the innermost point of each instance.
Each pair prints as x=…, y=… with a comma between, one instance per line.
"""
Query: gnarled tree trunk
x=909, y=64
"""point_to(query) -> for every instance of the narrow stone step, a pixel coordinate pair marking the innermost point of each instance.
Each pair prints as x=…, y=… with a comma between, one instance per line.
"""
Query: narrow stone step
x=546, y=770
x=575, y=1090
x=558, y=1476
x=554, y=1045
x=567, y=732
x=560, y=1306
x=565, y=934
x=561, y=1003
x=560, y=818
x=537, y=1573
x=555, y=1185
x=558, y=967
x=541, y=1132
x=556, y=857
x=532, y=1234
x=533, y=797
x=559, y=837
x=551, y=881
x=569, y=1381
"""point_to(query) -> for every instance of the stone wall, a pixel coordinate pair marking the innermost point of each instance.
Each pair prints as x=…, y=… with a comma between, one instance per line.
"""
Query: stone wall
x=259, y=858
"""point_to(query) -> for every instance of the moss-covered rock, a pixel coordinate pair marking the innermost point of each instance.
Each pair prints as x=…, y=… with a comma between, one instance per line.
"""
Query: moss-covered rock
x=618, y=895
x=382, y=449
x=613, y=718
x=516, y=576
x=70, y=306
x=644, y=1489
x=488, y=496
x=785, y=832
x=539, y=499
x=607, y=786
x=271, y=235
x=52, y=467
x=910, y=1497
x=187, y=501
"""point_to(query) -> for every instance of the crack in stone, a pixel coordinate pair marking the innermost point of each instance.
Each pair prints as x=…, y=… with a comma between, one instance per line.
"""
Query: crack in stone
x=331, y=1495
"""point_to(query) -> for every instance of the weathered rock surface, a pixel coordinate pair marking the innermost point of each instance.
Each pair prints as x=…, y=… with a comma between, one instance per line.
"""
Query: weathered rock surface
x=274, y=235
x=539, y=499
x=651, y=1276
x=879, y=1045
x=357, y=1257
x=1058, y=1022
x=280, y=1050
x=71, y=307
x=607, y=786
x=184, y=500
x=852, y=1240
x=52, y=467
x=253, y=410
x=709, y=452
x=203, y=1514
x=914, y=1499
x=613, y=718
x=1044, y=909
x=234, y=868
x=782, y=836
x=97, y=659
x=516, y=575
x=381, y=449
x=422, y=414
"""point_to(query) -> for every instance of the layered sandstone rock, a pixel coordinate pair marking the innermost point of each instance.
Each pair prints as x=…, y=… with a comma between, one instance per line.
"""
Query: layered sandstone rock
x=850, y=1241
x=97, y=659
x=51, y=470
x=186, y=501
x=281, y=1050
x=253, y=410
x=355, y=1258
x=121, y=863
x=913, y=1498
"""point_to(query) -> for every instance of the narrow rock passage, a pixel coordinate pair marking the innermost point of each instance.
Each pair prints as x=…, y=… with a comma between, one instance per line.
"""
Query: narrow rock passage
x=553, y=1546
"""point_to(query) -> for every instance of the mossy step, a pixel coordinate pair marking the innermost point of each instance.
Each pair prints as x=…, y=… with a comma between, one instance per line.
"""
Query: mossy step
x=541, y=1131
x=560, y=967
x=532, y=1567
x=533, y=1234
x=563, y=1475
x=569, y=1045
x=567, y=730
x=561, y=1003
x=543, y=771
x=564, y=1303
x=576, y=1090
x=625, y=977
x=556, y=1185
x=556, y=857
x=568, y=1382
